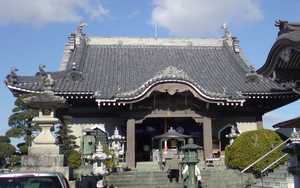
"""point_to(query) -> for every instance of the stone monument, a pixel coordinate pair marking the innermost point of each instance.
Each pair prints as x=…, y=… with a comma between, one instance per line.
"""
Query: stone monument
x=43, y=154
x=99, y=157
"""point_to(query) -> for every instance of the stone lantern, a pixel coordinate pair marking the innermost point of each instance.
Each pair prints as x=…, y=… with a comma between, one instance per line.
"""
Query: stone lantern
x=117, y=144
x=190, y=160
x=43, y=154
x=99, y=157
x=293, y=150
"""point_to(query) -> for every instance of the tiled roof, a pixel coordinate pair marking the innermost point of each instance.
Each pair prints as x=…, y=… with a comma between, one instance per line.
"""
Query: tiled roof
x=124, y=70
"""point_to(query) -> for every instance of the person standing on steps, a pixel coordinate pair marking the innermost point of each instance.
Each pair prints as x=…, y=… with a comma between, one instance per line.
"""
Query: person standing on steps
x=173, y=168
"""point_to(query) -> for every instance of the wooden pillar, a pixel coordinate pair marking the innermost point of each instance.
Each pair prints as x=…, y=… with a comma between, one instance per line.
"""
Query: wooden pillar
x=259, y=122
x=207, y=137
x=130, y=153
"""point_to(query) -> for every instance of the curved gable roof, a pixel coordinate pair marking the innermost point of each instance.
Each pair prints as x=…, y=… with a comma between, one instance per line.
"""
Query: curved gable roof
x=121, y=70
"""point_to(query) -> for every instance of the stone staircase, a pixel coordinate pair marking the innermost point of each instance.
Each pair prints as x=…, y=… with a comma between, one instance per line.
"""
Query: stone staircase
x=146, y=175
x=225, y=178
x=279, y=178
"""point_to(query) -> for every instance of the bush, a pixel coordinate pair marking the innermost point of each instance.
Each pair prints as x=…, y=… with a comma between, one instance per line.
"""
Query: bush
x=74, y=159
x=250, y=146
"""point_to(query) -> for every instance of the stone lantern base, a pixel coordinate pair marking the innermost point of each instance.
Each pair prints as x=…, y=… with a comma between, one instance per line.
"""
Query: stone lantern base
x=43, y=149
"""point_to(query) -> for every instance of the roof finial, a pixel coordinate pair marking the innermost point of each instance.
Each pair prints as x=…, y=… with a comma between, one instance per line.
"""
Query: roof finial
x=80, y=27
x=155, y=30
x=227, y=33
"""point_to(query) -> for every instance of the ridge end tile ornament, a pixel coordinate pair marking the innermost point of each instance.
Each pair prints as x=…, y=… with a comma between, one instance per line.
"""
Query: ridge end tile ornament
x=286, y=27
x=12, y=77
x=293, y=151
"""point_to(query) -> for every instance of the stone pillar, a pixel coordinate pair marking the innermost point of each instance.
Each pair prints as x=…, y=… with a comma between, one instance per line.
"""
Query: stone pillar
x=259, y=122
x=207, y=137
x=130, y=153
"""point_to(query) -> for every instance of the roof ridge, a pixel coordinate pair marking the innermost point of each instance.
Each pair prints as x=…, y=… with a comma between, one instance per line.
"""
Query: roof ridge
x=155, y=41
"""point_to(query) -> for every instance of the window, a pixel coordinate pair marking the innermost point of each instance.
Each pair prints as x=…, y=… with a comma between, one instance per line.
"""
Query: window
x=30, y=182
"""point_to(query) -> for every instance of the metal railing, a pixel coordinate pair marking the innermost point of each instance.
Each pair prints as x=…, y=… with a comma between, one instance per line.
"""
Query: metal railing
x=265, y=155
x=270, y=165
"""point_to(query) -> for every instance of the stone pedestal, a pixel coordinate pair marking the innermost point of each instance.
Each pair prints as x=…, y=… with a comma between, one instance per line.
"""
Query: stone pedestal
x=43, y=155
x=44, y=143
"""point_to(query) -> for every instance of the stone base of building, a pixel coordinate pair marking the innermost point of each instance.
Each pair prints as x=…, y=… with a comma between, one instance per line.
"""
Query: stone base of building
x=42, y=160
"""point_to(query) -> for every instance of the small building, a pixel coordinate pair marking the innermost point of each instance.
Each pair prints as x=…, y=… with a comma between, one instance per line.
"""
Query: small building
x=144, y=86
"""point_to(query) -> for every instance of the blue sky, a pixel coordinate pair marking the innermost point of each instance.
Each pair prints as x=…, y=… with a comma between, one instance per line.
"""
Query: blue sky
x=34, y=32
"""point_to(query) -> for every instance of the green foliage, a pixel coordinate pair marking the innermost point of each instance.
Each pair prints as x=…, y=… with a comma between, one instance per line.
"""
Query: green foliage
x=250, y=146
x=21, y=121
x=6, y=151
x=23, y=148
x=4, y=139
x=65, y=138
x=74, y=159
x=15, y=160
x=110, y=164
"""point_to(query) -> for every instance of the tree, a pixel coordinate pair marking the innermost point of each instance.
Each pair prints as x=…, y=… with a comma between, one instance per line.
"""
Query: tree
x=7, y=150
x=250, y=146
x=20, y=122
x=74, y=159
x=65, y=138
x=4, y=139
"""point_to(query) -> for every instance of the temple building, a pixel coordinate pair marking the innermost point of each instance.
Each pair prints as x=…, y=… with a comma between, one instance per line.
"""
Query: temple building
x=144, y=86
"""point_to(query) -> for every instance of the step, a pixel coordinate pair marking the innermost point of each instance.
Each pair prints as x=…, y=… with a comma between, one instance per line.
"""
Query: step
x=137, y=178
x=148, y=166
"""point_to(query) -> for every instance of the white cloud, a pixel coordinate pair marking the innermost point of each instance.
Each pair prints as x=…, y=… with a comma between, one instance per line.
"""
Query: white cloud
x=201, y=17
x=48, y=11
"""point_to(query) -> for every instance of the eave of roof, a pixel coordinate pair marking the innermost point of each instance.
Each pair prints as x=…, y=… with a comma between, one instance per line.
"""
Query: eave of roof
x=288, y=40
x=292, y=123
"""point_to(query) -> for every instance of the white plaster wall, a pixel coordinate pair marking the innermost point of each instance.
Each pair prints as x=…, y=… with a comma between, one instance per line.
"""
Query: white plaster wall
x=247, y=126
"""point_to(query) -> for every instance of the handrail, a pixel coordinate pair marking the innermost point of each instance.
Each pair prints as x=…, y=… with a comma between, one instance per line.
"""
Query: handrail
x=265, y=155
x=270, y=165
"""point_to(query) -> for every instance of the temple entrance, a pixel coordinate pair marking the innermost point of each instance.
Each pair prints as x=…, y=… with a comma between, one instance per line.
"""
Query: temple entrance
x=147, y=149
